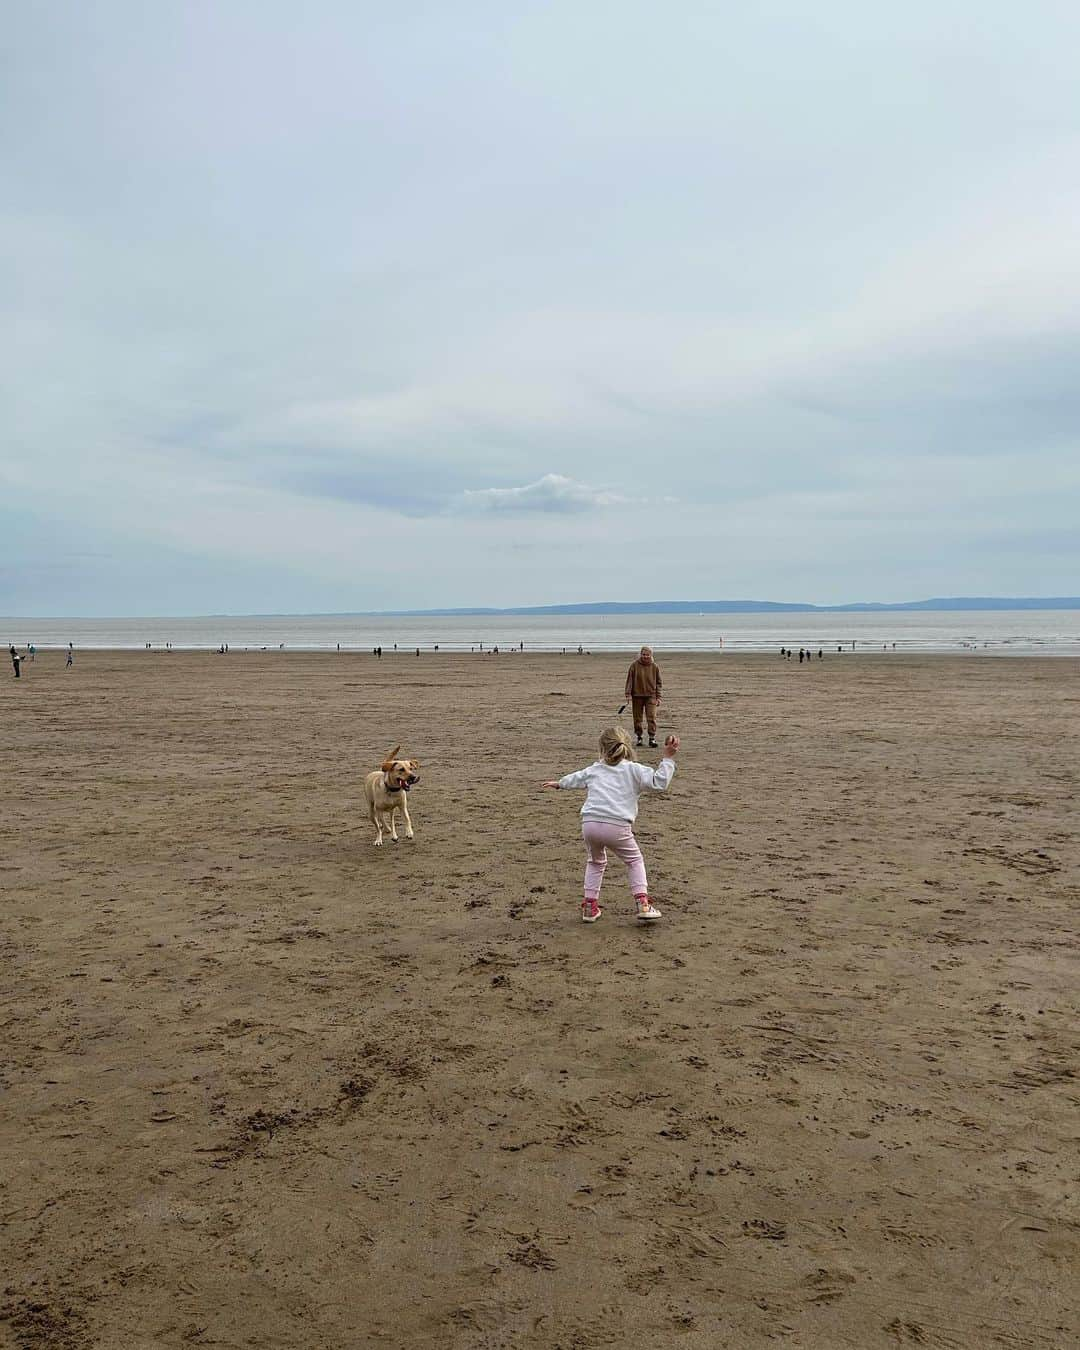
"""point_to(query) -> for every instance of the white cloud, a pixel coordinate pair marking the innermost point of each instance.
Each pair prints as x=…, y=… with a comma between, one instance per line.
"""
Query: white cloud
x=553, y=494
x=270, y=337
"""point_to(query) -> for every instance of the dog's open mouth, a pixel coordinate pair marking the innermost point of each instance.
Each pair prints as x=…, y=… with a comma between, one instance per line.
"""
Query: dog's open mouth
x=408, y=783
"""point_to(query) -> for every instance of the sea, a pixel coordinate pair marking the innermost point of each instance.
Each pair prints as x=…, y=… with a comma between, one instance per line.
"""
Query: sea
x=997, y=633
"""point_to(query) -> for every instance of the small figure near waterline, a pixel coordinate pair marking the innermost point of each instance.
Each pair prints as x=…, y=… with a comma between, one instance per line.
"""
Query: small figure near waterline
x=70, y=657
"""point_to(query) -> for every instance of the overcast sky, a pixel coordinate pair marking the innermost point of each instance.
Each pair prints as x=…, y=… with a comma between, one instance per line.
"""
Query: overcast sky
x=349, y=306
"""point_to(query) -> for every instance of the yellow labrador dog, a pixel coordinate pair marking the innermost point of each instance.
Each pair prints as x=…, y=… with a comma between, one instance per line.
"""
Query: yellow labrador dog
x=387, y=791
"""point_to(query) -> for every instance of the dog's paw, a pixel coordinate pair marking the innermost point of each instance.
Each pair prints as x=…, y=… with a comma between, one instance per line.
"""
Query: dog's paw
x=410, y=835
x=378, y=843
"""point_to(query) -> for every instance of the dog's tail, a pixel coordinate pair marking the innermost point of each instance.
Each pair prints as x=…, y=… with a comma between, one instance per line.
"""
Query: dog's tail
x=388, y=762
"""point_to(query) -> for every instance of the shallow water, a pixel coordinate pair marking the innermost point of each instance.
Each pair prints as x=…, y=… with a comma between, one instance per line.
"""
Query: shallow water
x=1049, y=632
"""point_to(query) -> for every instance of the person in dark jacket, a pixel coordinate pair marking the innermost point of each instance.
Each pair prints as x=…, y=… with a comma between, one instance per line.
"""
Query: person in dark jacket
x=643, y=690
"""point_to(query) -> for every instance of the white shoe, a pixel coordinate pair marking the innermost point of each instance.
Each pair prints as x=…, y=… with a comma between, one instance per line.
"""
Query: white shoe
x=647, y=911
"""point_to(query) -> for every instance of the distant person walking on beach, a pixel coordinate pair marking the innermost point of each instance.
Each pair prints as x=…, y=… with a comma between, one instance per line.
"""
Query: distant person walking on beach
x=16, y=661
x=643, y=689
x=70, y=656
x=614, y=784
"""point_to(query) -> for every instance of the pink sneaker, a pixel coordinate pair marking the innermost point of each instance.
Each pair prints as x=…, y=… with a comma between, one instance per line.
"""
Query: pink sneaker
x=646, y=910
x=590, y=911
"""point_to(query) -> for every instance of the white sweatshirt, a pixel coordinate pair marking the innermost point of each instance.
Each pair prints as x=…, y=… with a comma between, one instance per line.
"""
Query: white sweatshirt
x=613, y=789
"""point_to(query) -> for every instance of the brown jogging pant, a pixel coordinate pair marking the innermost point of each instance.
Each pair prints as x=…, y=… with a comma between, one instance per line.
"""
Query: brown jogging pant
x=648, y=707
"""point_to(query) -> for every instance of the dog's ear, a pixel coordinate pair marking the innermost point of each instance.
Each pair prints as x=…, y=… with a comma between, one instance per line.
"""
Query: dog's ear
x=388, y=762
x=414, y=763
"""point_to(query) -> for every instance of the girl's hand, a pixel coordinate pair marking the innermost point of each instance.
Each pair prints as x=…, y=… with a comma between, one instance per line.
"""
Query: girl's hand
x=551, y=783
x=671, y=747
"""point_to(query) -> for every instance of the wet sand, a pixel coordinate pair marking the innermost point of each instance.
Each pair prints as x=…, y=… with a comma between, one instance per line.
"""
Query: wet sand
x=263, y=1085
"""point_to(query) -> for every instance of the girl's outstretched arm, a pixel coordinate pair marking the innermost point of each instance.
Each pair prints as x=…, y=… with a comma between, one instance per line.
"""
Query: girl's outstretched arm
x=661, y=776
x=572, y=780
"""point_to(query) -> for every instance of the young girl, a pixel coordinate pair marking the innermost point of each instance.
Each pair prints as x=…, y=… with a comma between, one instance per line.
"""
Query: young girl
x=614, y=784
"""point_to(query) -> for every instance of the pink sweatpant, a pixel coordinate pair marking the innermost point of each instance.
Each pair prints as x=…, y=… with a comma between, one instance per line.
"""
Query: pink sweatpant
x=601, y=835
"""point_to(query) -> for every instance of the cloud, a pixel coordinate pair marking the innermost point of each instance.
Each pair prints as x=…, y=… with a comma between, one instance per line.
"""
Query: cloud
x=357, y=283
x=415, y=493
x=553, y=494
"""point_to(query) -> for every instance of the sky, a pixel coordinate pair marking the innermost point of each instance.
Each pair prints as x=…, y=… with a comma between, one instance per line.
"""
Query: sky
x=354, y=306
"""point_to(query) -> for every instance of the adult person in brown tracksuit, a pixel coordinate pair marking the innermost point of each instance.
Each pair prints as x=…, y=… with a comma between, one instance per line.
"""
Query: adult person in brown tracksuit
x=643, y=686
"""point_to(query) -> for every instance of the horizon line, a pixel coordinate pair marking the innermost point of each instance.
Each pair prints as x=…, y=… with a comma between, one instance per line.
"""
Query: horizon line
x=569, y=608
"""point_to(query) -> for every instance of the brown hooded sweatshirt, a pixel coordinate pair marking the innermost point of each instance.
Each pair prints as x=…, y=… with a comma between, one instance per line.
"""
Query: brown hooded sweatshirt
x=643, y=681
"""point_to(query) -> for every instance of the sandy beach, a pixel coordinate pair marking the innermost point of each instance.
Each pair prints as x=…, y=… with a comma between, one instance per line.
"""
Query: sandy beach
x=264, y=1085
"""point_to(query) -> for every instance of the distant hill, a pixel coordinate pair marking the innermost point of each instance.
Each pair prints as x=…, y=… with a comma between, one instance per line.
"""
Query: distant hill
x=759, y=607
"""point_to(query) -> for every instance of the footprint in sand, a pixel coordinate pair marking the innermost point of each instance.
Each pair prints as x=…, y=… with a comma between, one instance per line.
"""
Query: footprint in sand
x=826, y=1286
x=765, y=1228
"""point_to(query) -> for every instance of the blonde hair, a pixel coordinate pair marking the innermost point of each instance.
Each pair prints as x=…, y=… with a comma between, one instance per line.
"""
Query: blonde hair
x=615, y=746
